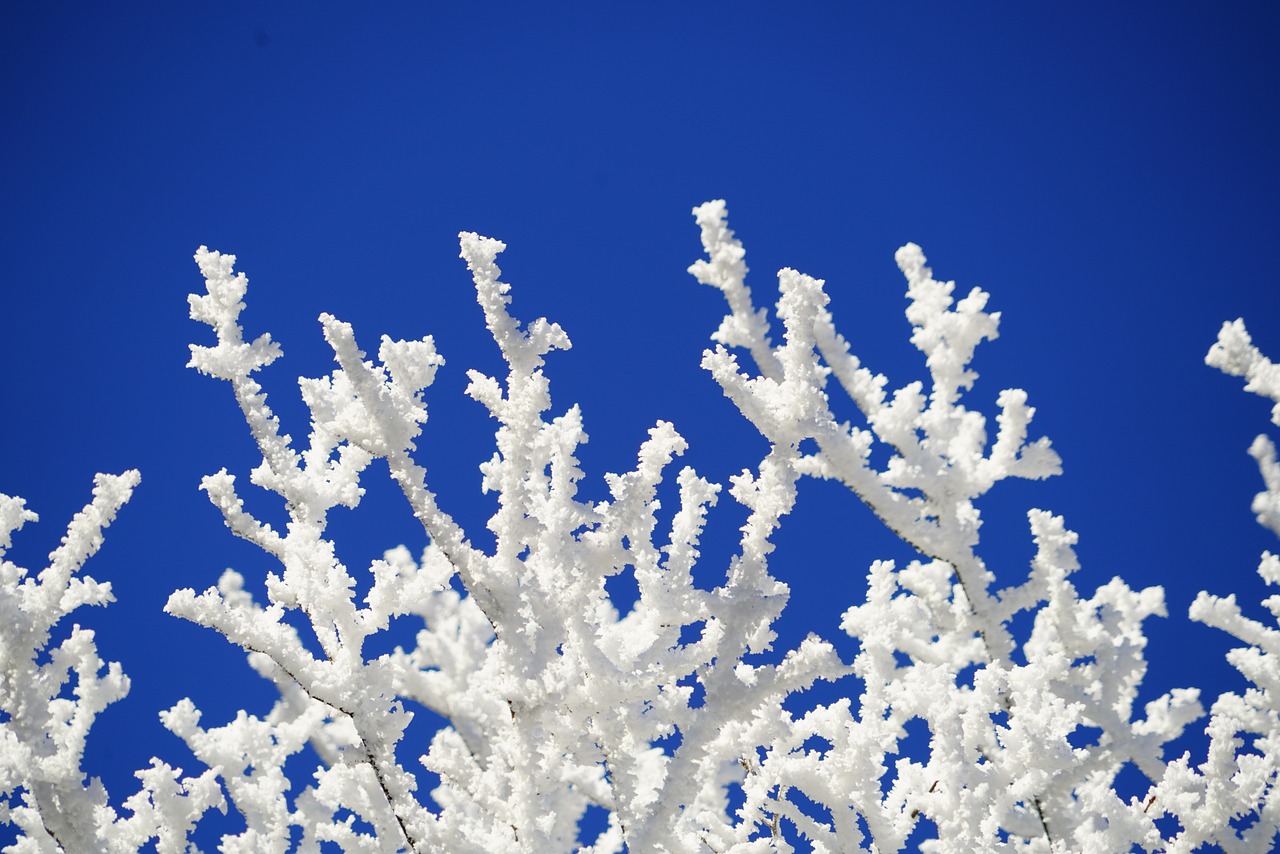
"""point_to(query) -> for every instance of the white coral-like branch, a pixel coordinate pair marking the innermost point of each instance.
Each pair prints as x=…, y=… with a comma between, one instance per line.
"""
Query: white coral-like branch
x=50, y=695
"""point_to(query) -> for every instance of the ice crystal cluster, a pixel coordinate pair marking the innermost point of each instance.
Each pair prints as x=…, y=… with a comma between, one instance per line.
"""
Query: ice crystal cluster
x=557, y=704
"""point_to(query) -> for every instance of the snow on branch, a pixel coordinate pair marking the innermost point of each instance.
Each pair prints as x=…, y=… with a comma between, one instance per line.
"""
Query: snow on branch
x=1002, y=769
x=670, y=715
x=533, y=657
x=1231, y=800
x=52, y=690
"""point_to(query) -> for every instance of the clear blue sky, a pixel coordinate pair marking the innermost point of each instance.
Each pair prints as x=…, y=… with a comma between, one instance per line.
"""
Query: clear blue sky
x=1106, y=171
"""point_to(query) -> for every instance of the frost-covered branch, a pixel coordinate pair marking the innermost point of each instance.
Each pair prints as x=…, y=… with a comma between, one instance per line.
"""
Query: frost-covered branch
x=533, y=657
x=52, y=687
x=939, y=464
x=1003, y=769
x=1231, y=800
x=670, y=713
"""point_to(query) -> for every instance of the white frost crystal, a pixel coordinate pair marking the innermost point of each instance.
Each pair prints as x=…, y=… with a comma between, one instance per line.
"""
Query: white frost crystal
x=669, y=719
x=42, y=736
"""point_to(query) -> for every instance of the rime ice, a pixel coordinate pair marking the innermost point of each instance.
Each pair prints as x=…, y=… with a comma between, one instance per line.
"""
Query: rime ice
x=556, y=703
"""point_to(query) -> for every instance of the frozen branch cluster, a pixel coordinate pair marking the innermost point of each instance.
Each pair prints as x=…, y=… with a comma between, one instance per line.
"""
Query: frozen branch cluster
x=1231, y=800
x=667, y=715
x=52, y=689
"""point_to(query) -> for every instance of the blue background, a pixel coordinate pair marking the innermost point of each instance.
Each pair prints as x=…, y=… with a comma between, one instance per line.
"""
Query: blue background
x=1106, y=171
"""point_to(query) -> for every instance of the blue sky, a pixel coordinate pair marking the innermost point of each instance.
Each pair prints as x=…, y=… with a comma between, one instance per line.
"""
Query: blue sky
x=1106, y=171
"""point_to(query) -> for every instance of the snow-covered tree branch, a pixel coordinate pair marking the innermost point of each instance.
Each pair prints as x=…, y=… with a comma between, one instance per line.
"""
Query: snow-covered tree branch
x=665, y=715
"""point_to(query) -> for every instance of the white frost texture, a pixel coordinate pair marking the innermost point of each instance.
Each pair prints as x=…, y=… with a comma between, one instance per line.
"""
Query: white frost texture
x=669, y=719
